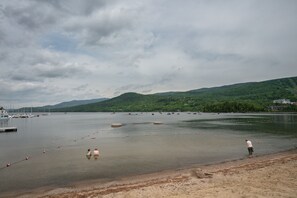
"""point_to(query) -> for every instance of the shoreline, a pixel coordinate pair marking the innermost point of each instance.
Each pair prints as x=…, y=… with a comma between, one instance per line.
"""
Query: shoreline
x=190, y=178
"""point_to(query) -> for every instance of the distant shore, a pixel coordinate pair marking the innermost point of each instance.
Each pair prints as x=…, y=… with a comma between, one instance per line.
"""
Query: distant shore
x=271, y=175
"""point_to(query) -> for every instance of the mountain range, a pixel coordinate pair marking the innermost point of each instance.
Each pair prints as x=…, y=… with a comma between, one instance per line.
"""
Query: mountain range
x=67, y=104
x=242, y=97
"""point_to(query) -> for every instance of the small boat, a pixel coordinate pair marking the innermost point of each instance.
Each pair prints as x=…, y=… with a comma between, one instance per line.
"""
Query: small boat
x=114, y=125
x=3, y=114
x=8, y=129
x=24, y=115
x=16, y=116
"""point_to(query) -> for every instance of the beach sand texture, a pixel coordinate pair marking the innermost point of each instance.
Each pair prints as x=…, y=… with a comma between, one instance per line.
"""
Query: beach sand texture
x=273, y=175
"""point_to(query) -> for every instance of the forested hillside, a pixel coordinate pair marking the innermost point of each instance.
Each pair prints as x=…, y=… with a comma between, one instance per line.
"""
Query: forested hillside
x=244, y=97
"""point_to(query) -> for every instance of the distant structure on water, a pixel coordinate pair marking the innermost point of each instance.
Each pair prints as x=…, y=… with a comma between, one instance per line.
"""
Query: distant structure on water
x=3, y=114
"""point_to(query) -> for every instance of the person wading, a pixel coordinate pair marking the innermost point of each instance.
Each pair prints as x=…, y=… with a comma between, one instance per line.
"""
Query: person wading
x=96, y=153
x=250, y=147
x=89, y=154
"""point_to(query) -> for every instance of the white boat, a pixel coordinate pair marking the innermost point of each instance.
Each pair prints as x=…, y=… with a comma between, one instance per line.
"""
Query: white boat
x=3, y=114
x=24, y=115
x=15, y=116
x=157, y=122
x=115, y=125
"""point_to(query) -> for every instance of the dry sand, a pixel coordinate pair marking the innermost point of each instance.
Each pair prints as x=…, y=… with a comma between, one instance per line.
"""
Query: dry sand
x=273, y=175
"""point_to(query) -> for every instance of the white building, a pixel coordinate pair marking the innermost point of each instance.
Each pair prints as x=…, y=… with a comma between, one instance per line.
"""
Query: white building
x=282, y=101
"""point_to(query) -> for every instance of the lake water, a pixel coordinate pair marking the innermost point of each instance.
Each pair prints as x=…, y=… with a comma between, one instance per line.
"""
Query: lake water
x=138, y=147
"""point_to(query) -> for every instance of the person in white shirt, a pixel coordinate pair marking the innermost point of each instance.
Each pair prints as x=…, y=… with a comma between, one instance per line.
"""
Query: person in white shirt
x=250, y=147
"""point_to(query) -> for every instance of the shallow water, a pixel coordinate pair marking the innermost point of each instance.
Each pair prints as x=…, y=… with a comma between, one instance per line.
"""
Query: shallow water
x=138, y=147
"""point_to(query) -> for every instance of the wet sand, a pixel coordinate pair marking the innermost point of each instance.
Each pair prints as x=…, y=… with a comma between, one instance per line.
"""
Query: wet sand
x=273, y=175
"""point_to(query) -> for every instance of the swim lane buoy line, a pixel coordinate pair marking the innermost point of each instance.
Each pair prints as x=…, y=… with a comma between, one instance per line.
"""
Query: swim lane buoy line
x=43, y=152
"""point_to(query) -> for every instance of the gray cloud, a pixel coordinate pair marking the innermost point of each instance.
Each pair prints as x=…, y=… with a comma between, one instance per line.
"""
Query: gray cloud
x=58, y=72
x=77, y=7
x=52, y=51
x=100, y=24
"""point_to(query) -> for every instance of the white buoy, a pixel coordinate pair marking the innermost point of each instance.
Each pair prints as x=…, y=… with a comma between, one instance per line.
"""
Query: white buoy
x=116, y=125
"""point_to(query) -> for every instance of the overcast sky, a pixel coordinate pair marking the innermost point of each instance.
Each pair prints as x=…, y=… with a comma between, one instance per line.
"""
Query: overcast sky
x=59, y=50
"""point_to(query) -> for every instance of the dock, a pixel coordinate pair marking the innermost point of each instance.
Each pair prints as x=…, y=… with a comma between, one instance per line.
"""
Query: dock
x=8, y=129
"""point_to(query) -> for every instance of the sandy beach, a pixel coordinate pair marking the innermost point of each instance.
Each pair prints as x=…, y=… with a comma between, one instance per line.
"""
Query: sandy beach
x=273, y=175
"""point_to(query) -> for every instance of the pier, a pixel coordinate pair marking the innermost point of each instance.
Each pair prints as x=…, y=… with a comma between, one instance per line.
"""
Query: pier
x=8, y=129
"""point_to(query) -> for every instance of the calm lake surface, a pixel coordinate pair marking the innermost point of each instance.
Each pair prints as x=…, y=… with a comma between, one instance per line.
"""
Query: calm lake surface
x=138, y=147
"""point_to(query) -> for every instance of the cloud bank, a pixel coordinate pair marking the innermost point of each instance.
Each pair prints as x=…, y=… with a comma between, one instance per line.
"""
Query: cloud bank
x=54, y=51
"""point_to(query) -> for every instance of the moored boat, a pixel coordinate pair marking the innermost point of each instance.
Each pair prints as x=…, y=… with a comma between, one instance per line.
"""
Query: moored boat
x=3, y=114
x=115, y=125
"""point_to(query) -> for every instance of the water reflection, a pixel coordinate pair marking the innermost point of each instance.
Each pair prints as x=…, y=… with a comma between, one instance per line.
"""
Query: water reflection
x=3, y=123
x=277, y=124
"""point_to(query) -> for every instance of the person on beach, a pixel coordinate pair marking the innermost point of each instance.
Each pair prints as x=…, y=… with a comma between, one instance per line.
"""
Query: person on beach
x=250, y=147
x=96, y=153
x=89, y=154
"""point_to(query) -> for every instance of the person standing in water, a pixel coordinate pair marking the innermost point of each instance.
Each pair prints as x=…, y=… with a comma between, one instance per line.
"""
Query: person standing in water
x=96, y=153
x=250, y=147
x=89, y=154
